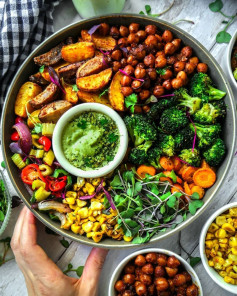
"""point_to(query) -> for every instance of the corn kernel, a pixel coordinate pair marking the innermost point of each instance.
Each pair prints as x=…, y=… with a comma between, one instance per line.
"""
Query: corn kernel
x=92, y=219
x=96, y=226
x=102, y=220
x=220, y=233
x=223, y=240
x=229, y=280
x=95, y=213
x=227, y=263
x=211, y=263
x=97, y=236
x=234, y=250
x=89, y=234
x=233, y=275
x=213, y=228
x=219, y=260
x=223, y=273
x=235, y=268
x=67, y=225
x=89, y=188
x=233, y=212
x=81, y=231
x=233, y=241
x=73, y=207
x=70, y=200
x=96, y=206
x=232, y=257
x=228, y=227
x=220, y=220
x=71, y=194
x=83, y=213
x=81, y=203
x=75, y=228
x=96, y=181
x=87, y=227
x=209, y=236
x=218, y=266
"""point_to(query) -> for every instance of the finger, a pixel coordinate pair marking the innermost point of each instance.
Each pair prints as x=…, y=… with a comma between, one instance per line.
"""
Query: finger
x=28, y=232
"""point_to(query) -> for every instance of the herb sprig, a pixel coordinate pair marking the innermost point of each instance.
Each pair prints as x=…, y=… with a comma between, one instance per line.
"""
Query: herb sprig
x=78, y=271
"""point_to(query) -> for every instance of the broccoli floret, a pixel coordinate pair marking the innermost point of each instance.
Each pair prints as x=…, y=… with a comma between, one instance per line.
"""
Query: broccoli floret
x=139, y=154
x=172, y=120
x=140, y=129
x=184, y=99
x=166, y=144
x=191, y=156
x=154, y=156
x=157, y=108
x=207, y=134
x=215, y=154
x=210, y=113
x=184, y=139
x=201, y=86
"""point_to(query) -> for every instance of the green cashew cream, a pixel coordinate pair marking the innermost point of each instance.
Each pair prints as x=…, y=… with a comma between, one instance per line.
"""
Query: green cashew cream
x=90, y=141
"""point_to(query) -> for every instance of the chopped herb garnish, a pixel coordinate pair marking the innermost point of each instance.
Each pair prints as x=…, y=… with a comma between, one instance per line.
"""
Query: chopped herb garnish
x=74, y=87
x=78, y=271
x=130, y=102
x=37, y=128
x=109, y=157
x=112, y=138
x=103, y=92
x=104, y=121
x=41, y=69
x=82, y=124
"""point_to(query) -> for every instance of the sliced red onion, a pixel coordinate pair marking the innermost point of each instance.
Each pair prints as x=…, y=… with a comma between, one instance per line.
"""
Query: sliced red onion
x=110, y=200
x=55, y=79
x=124, y=49
x=85, y=197
x=142, y=80
x=105, y=52
x=15, y=147
x=93, y=29
x=195, y=133
x=25, y=136
x=164, y=96
x=185, y=162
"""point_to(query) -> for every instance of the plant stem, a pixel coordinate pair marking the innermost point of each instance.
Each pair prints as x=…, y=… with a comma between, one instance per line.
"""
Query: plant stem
x=163, y=12
x=229, y=23
x=183, y=20
x=228, y=16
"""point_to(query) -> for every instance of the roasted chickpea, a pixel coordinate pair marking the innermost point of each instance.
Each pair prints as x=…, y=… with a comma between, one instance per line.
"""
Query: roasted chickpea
x=151, y=41
x=136, y=85
x=161, y=284
x=152, y=73
x=133, y=27
x=192, y=290
x=139, y=52
x=116, y=66
x=147, y=83
x=139, y=72
x=126, y=90
x=160, y=62
x=151, y=258
x=169, y=48
x=167, y=84
x=131, y=60
x=173, y=262
x=179, y=66
x=177, y=83
x=138, y=271
x=168, y=74
x=158, y=91
x=171, y=271
x=148, y=268
x=114, y=32
x=159, y=271
x=146, y=279
x=129, y=268
x=187, y=276
x=124, y=32
x=141, y=35
x=202, y=67
x=146, y=109
x=159, y=38
x=140, y=260
x=127, y=293
x=150, y=29
x=160, y=53
x=171, y=60
x=189, y=68
x=179, y=280
x=137, y=283
x=119, y=286
x=187, y=51
x=141, y=65
x=133, y=38
x=183, y=76
x=171, y=285
x=123, y=62
x=129, y=70
x=126, y=81
x=123, y=41
x=149, y=60
x=181, y=291
x=129, y=278
x=167, y=36
x=144, y=94
x=141, y=289
x=162, y=259
x=176, y=43
x=194, y=61
x=116, y=55
x=104, y=29
x=151, y=290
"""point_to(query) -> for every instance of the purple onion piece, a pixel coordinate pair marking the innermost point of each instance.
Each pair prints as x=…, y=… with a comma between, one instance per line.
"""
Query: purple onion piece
x=109, y=199
x=93, y=29
x=34, y=206
x=85, y=197
x=185, y=162
x=55, y=79
x=164, y=96
x=25, y=136
x=142, y=80
x=15, y=147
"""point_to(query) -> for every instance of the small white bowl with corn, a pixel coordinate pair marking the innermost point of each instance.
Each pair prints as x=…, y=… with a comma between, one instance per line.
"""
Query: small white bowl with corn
x=219, y=239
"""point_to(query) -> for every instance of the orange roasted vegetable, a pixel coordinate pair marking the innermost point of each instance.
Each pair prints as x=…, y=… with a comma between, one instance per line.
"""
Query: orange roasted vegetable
x=144, y=169
x=204, y=177
x=77, y=52
x=166, y=163
x=101, y=42
x=116, y=96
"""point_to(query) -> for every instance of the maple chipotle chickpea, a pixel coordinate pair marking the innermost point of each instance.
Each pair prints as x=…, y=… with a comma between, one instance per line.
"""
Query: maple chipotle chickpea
x=126, y=80
x=124, y=31
x=167, y=36
x=104, y=29
x=158, y=91
x=150, y=29
x=133, y=27
x=114, y=32
x=126, y=91
x=202, y=67
x=151, y=258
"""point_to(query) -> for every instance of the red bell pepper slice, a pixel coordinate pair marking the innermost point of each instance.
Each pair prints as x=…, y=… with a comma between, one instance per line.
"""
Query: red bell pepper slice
x=15, y=136
x=57, y=184
x=46, y=142
x=30, y=173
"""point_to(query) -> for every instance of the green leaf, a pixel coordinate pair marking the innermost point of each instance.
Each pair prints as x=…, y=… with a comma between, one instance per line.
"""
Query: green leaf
x=141, y=12
x=74, y=87
x=130, y=192
x=194, y=260
x=223, y=37
x=130, y=102
x=109, y=158
x=112, y=138
x=164, y=196
x=103, y=92
x=104, y=121
x=216, y=6
x=162, y=209
x=70, y=266
x=184, y=216
x=137, y=188
x=37, y=128
x=41, y=69
x=3, y=164
x=194, y=205
x=65, y=243
x=148, y=9
x=140, y=239
x=53, y=217
x=82, y=124
x=171, y=202
x=2, y=216
x=32, y=200
x=195, y=195
x=173, y=176
x=128, y=176
x=131, y=223
x=116, y=182
x=79, y=271
x=138, y=202
x=127, y=214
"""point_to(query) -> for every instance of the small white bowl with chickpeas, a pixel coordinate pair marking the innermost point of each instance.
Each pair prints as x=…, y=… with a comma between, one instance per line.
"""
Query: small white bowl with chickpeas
x=218, y=247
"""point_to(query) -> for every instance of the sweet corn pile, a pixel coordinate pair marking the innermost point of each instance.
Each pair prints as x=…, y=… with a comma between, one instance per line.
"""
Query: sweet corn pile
x=221, y=246
x=87, y=216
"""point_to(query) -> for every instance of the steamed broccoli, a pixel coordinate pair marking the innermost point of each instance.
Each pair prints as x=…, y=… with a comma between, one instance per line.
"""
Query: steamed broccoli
x=201, y=86
x=139, y=155
x=207, y=134
x=172, y=120
x=184, y=99
x=154, y=156
x=215, y=154
x=184, y=139
x=157, y=108
x=140, y=129
x=210, y=113
x=166, y=144
x=191, y=156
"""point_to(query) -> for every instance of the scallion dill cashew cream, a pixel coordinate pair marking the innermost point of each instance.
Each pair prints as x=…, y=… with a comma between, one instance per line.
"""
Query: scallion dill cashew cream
x=90, y=141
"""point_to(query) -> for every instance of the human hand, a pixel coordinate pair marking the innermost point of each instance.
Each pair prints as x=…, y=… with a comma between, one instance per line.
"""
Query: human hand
x=42, y=276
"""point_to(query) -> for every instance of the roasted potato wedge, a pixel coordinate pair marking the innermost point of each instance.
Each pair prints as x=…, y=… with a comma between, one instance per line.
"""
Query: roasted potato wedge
x=70, y=95
x=48, y=95
x=93, y=66
x=87, y=97
x=96, y=82
x=68, y=73
x=26, y=93
x=116, y=97
x=45, y=73
x=78, y=52
x=39, y=79
x=53, y=111
x=33, y=118
x=51, y=57
x=101, y=42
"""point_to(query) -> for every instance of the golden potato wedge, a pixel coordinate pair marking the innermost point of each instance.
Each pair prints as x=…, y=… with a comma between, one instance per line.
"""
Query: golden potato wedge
x=93, y=66
x=87, y=97
x=48, y=95
x=33, y=118
x=53, y=111
x=116, y=97
x=96, y=82
x=45, y=73
x=77, y=52
x=101, y=42
x=27, y=92
x=70, y=95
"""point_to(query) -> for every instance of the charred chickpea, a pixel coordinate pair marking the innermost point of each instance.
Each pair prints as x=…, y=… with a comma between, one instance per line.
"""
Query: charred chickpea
x=104, y=29
x=189, y=68
x=162, y=260
x=187, y=276
x=192, y=290
x=194, y=61
x=161, y=284
x=202, y=67
x=150, y=29
x=141, y=65
x=138, y=271
x=177, y=83
x=158, y=91
x=120, y=286
x=148, y=268
x=169, y=48
x=123, y=62
x=171, y=271
x=116, y=66
x=187, y=51
x=151, y=41
x=171, y=60
x=126, y=81
x=140, y=260
x=151, y=289
x=168, y=74
x=167, y=36
x=160, y=62
x=179, y=66
x=139, y=72
x=133, y=38
x=114, y=32
x=160, y=53
x=151, y=258
x=136, y=85
x=159, y=38
x=133, y=27
x=127, y=293
x=141, y=35
x=141, y=289
x=167, y=84
x=149, y=60
x=182, y=75
x=131, y=60
x=124, y=31
x=144, y=94
x=159, y=271
x=129, y=268
x=181, y=291
x=146, y=279
x=137, y=283
x=179, y=280
x=116, y=55
x=129, y=278
x=126, y=91
x=152, y=73
x=123, y=41
x=171, y=285
x=146, y=109
x=173, y=262
x=139, y=53
x=129, y=70
x=147, y=83
x=176, y=43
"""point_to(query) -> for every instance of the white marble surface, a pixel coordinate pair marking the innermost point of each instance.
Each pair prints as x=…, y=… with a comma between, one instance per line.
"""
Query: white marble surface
x=206, y=26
